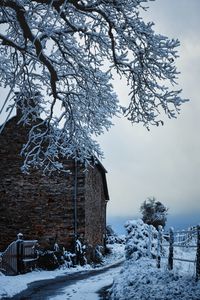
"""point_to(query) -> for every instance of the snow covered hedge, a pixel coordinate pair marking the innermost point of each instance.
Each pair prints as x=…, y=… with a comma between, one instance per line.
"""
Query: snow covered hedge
x=139, y=279
x=112, y=237
x=141, y=240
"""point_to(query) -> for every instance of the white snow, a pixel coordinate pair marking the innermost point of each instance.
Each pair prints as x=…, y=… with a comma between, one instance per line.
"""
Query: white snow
x=12, y=285
x=87, y=289
x=137, y=279
x=140, y=279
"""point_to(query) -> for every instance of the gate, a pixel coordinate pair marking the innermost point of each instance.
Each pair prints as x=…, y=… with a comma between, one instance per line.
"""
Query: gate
x=19, y=257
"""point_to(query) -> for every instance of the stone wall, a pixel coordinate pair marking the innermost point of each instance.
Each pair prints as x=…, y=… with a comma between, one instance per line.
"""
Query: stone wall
x=43, y=207
x=95, y=218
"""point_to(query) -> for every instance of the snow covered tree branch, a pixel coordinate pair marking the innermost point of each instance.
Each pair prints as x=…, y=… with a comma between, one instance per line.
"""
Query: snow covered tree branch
x=58, y=58
x=154, y=212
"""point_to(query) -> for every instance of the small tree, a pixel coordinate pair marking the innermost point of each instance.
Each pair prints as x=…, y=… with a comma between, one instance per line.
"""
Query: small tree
x=154, y=212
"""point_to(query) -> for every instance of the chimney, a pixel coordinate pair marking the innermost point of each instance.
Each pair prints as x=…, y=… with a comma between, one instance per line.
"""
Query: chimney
x=18, y=105
x=26, y=106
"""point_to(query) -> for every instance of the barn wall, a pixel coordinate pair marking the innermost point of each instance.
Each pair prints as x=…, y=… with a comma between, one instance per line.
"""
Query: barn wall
x=38, y=206
x=95, y=211
x=43, y=207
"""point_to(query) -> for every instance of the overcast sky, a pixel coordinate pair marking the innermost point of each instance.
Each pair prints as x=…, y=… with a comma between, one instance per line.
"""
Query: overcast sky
x=165, y=162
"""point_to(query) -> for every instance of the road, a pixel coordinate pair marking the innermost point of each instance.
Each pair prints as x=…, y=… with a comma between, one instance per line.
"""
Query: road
x=78, y=286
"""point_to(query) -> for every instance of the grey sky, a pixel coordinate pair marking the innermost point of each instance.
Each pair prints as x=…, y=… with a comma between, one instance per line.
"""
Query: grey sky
x=164, y=162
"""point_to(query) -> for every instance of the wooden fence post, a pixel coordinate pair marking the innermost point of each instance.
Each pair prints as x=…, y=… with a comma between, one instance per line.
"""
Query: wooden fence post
x=159, y=246
x=198, y=254
x=150, y=241
x=19, y=255
x=171, y=249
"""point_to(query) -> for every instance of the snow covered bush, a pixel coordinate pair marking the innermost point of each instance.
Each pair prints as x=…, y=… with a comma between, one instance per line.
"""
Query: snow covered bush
x=57, y=256
x=98, y=254
x=69, y=258
x=112, y=237
x=141, y=280
x=47, y=260
x=80, y=249
x=141, y=240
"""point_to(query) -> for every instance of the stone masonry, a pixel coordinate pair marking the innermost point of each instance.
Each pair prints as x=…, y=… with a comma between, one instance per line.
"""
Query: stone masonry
x=55, y=208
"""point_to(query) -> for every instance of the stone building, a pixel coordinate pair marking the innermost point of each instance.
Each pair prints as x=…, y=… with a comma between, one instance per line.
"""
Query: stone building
x=51, y=209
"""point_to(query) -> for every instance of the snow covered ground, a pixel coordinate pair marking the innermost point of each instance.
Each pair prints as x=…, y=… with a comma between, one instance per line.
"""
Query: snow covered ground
x=12, y=285
x=140, y=279
x=137, y=279
x=87, y=289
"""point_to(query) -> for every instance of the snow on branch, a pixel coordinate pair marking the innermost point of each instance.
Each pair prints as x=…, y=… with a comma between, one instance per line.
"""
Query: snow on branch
x=59, y=50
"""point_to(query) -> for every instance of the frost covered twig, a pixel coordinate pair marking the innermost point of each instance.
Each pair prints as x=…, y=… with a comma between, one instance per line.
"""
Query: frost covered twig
x=66, y=52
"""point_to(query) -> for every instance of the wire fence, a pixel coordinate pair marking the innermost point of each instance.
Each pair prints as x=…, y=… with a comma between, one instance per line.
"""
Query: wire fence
x=187, y=241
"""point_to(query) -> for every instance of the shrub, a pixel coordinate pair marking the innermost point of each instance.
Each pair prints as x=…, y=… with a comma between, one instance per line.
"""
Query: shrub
x=47, y=260
x=139, y=236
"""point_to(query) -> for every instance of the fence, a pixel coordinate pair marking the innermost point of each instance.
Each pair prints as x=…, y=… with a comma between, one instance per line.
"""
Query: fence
x=183, y=239
x=19, y=257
